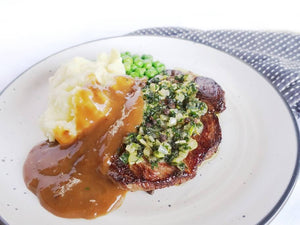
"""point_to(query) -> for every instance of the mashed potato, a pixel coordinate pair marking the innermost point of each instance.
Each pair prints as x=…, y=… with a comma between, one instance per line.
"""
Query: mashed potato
x=72, y=89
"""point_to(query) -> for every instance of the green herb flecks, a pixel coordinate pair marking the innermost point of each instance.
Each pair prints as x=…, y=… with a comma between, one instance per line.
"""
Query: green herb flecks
x=171, y=119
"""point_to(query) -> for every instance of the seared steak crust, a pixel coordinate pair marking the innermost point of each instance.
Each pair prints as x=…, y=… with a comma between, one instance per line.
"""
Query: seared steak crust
x=142, y=177
x=211, y=93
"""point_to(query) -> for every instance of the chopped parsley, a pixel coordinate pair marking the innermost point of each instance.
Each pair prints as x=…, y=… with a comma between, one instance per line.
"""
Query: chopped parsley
x=171, y=119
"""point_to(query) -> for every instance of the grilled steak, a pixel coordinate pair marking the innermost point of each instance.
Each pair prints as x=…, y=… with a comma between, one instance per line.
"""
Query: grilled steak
x=142, y=176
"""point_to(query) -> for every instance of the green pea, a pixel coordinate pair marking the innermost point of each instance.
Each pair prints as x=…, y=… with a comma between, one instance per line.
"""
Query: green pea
x=127, y=67
x=151, y=72
x=147, y=57
x=141, y=65
x=138, y=62
x=160, y=68
x=157, y=64
x=134, y=74
x=133, y=67
x=141, y=71
x=147, y=64
x=135, y=57
x=127, y=59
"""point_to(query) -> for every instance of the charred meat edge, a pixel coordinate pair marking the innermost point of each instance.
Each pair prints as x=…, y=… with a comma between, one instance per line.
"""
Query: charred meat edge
x=142, y=177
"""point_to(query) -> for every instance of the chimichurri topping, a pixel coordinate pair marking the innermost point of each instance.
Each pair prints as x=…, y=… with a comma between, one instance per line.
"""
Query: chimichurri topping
x=171, y=119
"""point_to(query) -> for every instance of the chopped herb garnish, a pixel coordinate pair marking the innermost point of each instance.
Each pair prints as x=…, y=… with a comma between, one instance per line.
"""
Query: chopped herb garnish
x=171, y=119
x=124, y=157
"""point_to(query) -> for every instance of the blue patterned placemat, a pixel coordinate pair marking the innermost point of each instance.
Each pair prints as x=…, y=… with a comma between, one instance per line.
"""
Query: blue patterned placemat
x=273, y=54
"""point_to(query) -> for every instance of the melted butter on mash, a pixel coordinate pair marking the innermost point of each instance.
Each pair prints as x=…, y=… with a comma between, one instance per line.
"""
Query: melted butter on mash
x=79, y=95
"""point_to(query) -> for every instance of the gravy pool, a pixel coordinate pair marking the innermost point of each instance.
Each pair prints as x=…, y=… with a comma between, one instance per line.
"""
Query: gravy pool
x=70, y=181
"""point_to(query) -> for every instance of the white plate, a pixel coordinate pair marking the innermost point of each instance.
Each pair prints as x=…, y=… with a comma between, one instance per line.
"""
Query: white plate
x=247, y=182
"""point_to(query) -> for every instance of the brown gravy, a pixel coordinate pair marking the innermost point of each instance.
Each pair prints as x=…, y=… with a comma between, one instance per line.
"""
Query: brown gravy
x=70, y=181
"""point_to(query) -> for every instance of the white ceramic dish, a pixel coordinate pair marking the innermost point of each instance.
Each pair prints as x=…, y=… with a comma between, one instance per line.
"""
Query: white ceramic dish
x=247, y=182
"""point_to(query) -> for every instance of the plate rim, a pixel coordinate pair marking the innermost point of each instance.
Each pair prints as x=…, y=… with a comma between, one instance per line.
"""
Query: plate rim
x=289, y=189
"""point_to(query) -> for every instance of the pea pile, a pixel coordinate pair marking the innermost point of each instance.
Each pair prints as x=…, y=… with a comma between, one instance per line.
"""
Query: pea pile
x=171, y=119
x=141, y=66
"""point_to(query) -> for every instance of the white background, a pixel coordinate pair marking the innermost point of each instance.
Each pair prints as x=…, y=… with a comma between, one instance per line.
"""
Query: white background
x=32, y=30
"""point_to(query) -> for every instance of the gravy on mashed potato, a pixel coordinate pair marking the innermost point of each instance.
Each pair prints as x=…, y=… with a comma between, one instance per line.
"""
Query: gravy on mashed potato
x=92, y=106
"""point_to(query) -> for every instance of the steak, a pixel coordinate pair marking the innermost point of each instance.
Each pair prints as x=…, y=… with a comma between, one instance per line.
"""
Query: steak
x=141, y=176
